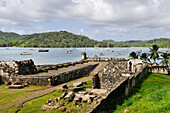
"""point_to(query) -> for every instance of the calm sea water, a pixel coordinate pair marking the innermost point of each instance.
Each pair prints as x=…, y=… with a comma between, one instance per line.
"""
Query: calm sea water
x=60, y=55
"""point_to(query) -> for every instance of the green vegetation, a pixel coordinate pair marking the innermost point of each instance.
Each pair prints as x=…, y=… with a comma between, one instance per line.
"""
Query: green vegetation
x=150, y=95
x=154, y=52
x=66, y=39
x=165, y=58
x=36, y=104
x=9, y=96
x=133, y=55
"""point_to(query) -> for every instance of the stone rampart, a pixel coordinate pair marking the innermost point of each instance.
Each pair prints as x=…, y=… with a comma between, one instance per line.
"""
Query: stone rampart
x=58, y=78
x=159, y=69
x=119, y=91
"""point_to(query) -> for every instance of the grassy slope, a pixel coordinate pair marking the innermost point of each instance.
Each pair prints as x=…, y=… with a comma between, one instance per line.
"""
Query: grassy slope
x=151, y=95
x=34, y=106
x=8, y=96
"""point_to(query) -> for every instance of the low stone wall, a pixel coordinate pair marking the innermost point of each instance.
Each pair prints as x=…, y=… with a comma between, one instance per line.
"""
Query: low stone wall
x=119, y=91
x=58, y=78
x=159, y=69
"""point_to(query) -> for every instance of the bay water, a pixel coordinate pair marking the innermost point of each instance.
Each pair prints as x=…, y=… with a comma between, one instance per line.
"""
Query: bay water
x=60, y=55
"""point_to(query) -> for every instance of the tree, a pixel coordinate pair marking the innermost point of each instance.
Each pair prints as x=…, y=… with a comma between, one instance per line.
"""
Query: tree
x=165, y=58
x=144, y=57
x=154, y=52
x=133, y=55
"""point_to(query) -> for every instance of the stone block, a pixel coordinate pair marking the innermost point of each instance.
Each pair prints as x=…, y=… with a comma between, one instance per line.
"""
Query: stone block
x=70, y=96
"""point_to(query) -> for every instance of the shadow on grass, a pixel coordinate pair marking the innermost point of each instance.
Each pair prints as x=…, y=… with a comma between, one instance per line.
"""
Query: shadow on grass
x=113, y=105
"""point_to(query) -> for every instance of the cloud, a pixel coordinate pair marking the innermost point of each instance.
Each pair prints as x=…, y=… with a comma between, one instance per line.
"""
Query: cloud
x=112, y=15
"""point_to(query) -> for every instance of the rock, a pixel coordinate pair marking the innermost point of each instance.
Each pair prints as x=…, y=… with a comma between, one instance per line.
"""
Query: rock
x=47, y=107
x=70, y=96
x=76, y=100
x=83, y=93
x=59, y=98
x=77, y=88
x=65, y=86
x=78, y=84
x=15, y=86
x=63, y=95
x=98, y=92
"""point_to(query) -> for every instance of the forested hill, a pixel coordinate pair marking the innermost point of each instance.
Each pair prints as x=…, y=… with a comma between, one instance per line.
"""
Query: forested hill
x=67, y=39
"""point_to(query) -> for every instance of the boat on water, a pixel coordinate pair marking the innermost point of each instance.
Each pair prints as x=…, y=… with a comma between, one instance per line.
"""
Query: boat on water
x=101, y=54
x=69, y=51
x=43, y=50
x=25, y=53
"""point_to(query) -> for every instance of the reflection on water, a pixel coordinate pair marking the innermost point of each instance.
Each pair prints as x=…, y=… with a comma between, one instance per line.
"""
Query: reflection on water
x=60, y=55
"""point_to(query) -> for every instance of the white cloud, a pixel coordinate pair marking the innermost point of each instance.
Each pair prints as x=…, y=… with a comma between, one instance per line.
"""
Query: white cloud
x=113, y=15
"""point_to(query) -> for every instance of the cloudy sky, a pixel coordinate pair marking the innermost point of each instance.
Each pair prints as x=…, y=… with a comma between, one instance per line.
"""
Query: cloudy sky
x=97, y=19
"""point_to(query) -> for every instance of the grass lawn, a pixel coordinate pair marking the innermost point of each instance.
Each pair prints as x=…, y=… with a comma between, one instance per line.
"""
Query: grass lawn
x=34, y=106
x=150, y=95
x=8, y=96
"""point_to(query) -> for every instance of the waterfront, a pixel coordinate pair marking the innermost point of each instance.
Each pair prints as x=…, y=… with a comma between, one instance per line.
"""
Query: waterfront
x=60, y=55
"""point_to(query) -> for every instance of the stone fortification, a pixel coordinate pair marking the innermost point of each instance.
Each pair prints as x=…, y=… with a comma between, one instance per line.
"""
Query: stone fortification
x=9, y=70
x=119, y=90
x=55, y=77
x=159, y=69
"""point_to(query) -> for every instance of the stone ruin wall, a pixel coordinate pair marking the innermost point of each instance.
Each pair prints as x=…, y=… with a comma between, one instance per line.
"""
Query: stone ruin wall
x=9, y=70
x=59, y=78
x=119, y=91
x=111, y=73
x=160, y=69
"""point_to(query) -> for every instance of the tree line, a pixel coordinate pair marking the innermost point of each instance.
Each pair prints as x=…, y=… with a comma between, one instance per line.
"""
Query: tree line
x=67, y=39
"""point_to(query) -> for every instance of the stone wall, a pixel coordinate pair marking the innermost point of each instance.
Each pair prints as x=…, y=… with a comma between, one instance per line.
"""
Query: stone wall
x=159, y=69
x=119, y=91
x=58, y=78
x=110, y=74
x=10, y=69
x=107, y=77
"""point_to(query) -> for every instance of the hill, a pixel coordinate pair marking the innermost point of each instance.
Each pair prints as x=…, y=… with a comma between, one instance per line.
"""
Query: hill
x=67, y=39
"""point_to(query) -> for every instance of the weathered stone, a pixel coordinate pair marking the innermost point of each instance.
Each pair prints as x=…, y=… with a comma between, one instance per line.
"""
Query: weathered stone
x=65, y=86
x=15, y=86
x=70, y=96
x=83, y=92
x=78, y=84
x=77, y=88
x=63, y=95
x=47, y=107
x=97, y=91
x=76, y=100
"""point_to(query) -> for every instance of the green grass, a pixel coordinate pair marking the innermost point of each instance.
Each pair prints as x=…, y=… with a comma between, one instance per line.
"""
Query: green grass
x=8, y=96
x=150, y=95
x=36, y=104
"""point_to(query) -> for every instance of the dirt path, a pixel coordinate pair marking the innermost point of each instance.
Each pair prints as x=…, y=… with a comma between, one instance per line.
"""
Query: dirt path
x=39, y=93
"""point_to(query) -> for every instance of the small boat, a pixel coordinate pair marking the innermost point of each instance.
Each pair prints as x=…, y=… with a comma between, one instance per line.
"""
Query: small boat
x=69, y=51
x=101, y=54
x=43, y=50
x=25, y=53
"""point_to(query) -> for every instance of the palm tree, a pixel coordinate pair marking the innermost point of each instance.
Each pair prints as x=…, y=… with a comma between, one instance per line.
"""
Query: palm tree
x=165, y=58
x=133, y=55
x=154, y=52
x=144, y=57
